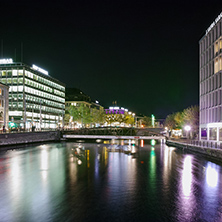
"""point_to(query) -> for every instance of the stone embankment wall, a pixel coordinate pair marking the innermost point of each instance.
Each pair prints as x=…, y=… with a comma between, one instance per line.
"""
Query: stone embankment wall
x=28, y=137
x=209, y=151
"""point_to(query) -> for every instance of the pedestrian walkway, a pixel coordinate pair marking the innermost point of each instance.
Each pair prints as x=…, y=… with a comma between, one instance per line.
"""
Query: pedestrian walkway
x=212, y=149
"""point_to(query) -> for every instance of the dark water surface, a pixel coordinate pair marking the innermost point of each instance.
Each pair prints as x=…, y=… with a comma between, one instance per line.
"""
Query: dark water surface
x=103, y=182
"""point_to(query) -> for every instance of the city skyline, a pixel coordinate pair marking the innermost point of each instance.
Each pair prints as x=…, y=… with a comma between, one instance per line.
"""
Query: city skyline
x=143, y=55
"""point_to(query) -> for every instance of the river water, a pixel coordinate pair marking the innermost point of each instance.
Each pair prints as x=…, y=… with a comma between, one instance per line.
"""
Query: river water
x=108, y=181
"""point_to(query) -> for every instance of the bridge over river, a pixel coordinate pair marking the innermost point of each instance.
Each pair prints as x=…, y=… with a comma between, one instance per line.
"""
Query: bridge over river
x=114, y=133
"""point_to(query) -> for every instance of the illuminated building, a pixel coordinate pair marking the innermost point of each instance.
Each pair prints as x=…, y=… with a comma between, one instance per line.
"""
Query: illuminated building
x=116, y=110
x=4, y=95
x=35, y=98
x=210, y=50
x=75, y=97
x=115, y=116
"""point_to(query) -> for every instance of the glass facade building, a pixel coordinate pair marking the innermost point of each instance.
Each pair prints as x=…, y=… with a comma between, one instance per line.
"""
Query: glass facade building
x=35, y=98
x=210, y=55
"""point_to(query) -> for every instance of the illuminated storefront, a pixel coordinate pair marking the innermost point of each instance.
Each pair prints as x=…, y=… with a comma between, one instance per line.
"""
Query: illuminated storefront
x=36, y=100
x=210, y=49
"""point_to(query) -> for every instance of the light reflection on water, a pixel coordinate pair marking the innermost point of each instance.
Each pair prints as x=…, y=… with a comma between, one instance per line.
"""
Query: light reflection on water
x=131, y=180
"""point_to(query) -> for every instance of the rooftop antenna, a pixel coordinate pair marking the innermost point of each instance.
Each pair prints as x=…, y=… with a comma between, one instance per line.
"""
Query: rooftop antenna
x=2, y=48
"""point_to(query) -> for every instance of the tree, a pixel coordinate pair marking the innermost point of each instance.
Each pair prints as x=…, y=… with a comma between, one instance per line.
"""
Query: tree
x=146, y=121
x=179, y=119
x=80, y=114
x=66, y=119
x=84, y=112
x=98, y=116
x=191, y=117
x=111, y=118
x=129, y=119
x=74, y=112
x=170, y=122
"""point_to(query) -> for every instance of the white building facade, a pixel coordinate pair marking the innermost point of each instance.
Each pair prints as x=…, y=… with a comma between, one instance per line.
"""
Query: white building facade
x=210, y=51
x=35, y=98
x=4, y=99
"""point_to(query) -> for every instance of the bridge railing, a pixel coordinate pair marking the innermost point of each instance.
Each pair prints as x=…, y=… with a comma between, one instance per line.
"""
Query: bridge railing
x=118, y=131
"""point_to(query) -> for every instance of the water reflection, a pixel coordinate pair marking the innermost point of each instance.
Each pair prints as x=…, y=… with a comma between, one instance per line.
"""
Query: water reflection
x=187, y=177
x=212, y=192
x=132, y=180
x=212, y=175
x=153, y=170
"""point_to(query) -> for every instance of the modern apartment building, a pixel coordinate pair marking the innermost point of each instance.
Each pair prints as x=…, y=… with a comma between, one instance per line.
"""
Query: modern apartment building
x=35, y=98
x=210, y=50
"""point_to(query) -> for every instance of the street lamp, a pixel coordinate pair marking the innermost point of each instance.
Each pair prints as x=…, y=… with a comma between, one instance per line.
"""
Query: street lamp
x=187, y=128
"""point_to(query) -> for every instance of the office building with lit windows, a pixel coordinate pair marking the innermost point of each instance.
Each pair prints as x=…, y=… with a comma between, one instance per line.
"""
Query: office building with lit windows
x=4, y=95
x=35, y=98
x=210, y=51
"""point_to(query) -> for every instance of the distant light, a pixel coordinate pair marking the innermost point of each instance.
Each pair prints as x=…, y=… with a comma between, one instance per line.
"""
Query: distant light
x=122, y=108
x=142, y=143
x=111, y=107
x=40, y=69
x=97, y=101
x=153, y=142
x=187, y=128
x=6, y=61
x=11, y=124
x=126, y=110
x=116, y=107
x=79, y=162
x=130, y=113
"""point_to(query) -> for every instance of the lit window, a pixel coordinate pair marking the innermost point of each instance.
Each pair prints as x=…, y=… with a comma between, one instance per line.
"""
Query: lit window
x=220, y=64
x=216, y=48
x=216, y=66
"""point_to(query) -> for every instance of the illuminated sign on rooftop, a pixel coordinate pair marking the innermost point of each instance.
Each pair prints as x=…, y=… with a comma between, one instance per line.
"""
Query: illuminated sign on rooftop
x=111, y=107
x=6, y=61
x=214, y=23
x=40, y=69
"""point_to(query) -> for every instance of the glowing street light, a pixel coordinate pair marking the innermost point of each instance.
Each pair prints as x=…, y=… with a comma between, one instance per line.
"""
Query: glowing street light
x=187, y=128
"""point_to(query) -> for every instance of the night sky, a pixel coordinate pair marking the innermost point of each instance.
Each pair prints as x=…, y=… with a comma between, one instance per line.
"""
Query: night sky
x=142, y=54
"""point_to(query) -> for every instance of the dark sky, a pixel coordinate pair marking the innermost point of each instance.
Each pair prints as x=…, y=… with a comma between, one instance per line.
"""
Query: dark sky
x=142, y=54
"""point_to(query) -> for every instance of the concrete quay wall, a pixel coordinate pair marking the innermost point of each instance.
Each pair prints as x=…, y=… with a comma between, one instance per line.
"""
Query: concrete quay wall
x=209, y=151
x=7, y=139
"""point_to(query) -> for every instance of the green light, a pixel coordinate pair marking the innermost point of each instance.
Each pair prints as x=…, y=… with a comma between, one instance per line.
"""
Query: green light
x=11, y=124
x=153, y=120
x=153, y=142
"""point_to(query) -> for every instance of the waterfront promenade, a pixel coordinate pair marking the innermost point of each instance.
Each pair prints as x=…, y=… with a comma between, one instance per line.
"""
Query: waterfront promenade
x=10, y=139
x=206, y=148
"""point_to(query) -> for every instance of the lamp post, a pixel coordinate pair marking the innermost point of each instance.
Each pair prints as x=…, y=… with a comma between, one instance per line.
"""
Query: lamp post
x=187, y=128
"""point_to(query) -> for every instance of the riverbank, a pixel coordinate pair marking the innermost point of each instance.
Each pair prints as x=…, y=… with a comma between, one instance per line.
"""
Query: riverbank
x=190, y=146
x=8, y=139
